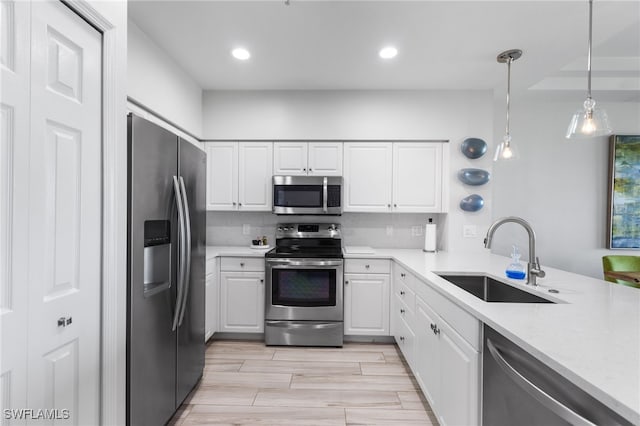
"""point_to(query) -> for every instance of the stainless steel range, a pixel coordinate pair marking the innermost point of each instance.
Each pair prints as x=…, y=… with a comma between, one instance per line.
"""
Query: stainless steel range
x=304, y=289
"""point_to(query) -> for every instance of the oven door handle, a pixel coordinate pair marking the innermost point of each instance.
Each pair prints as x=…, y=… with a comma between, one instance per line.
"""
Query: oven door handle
x=291, y=263
x=290, y=324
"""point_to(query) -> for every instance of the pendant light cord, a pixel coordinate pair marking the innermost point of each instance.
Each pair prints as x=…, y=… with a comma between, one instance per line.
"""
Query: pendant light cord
x=589, y=49
x=508, y=92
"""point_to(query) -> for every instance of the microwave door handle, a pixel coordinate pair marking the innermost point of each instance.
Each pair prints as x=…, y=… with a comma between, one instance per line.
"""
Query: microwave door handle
x=325, y=192
x=541, y=396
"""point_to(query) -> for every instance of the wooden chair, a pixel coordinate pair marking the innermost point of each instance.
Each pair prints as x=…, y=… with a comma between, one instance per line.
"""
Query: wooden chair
x=621, y=263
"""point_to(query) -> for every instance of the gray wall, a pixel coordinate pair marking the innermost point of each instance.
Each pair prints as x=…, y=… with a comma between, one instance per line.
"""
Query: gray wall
x=559, y=186
x=368, y=115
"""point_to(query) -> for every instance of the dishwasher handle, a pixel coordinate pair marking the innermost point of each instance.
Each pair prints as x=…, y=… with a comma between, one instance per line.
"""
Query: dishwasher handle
x=541, y=396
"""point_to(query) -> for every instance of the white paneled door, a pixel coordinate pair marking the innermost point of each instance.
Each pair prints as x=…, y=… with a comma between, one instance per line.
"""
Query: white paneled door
x=53, y=183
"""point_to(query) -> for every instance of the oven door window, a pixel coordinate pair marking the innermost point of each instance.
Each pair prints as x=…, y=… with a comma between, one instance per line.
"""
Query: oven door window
x=304, y=287
x=298, y=196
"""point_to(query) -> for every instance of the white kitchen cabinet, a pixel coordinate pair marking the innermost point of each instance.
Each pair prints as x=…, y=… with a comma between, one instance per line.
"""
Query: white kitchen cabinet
x=366, y=297
x=254, y=176
x=222, y=175
x=307, y=158
x=367, y=176
x=239, y=176
x=212, y=297
x=447, y=368
x=402, y=177
x=366, y=304
x=417, y=177
x=241, y=295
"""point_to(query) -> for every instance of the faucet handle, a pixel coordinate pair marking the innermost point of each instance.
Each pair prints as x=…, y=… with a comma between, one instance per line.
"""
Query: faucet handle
x=537, y=270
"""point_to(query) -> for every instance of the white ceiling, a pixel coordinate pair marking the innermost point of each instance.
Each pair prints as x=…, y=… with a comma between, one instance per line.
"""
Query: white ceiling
x=321, y=44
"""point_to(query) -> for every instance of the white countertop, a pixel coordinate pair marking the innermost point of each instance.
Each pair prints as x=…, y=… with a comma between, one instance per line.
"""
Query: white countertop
x=592, y=337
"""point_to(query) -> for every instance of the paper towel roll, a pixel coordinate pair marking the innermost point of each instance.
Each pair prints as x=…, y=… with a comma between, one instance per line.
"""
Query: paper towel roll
x=430, y=237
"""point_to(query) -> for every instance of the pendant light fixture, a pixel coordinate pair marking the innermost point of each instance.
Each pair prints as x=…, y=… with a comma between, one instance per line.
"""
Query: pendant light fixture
x=506, y=150
x=589, y=121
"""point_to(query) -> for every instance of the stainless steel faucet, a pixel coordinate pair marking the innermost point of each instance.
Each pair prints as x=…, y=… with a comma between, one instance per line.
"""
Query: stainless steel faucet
x=533, y=265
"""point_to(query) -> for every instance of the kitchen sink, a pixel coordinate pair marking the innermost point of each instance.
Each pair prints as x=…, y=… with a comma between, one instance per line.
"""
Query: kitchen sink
x=492, y=290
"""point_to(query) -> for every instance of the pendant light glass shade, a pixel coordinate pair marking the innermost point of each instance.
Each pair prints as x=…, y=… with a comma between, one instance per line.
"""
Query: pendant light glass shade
x=589, y=121
x=506, y=151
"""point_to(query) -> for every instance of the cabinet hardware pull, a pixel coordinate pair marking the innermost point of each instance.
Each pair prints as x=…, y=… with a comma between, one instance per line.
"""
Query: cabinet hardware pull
x=402, y=311
x=395, y=205
x=242, y=264
x=261, y=280
x=401, y=292
x=346, y=282
x=402, y=338
x=367, y=266
x=64, y=321
x=389, y=206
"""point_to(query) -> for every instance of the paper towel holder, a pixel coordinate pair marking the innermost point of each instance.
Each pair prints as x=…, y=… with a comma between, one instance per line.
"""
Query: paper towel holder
x=430, y=237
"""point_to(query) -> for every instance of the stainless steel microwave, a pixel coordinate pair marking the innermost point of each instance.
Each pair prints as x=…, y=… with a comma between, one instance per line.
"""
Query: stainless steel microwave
x=315, y=195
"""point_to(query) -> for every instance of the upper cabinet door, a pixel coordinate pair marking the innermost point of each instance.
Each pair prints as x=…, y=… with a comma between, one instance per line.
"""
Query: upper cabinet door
x=417, y=177
x=324, y=159
x=222, y=175
x=367, y=176
x=290, y=158
x=255, y=171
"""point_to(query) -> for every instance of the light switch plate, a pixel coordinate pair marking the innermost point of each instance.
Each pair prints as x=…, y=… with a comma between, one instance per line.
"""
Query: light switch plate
x=416, y=231
x=246, y=229
x=469, y=231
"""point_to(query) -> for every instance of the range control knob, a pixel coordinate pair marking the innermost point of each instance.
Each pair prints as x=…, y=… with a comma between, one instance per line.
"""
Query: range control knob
x=279, y=228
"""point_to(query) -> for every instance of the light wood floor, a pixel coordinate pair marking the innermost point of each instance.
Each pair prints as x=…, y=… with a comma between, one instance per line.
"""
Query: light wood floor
x=248, y=383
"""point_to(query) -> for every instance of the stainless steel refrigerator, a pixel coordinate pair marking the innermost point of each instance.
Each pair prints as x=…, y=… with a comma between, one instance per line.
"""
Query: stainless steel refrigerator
x=166, y=271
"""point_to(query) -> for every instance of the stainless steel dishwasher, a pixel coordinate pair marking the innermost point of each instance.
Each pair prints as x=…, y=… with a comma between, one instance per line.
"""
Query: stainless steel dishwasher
x=520, y=390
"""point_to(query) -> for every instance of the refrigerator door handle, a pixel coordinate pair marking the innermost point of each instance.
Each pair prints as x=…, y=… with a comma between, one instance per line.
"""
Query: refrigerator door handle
x=187, y=266
x=182, y=252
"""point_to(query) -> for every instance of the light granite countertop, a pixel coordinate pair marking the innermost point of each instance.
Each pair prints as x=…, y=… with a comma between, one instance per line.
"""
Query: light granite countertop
x=591, y=337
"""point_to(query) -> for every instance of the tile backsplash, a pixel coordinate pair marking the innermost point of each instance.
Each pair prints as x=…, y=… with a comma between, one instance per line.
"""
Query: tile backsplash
x=358, y=229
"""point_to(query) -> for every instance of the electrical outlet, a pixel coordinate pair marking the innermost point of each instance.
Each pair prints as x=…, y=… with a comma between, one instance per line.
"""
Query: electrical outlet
x=469, y=231
x=389, y=230
x=246, y=229
x=416, y=231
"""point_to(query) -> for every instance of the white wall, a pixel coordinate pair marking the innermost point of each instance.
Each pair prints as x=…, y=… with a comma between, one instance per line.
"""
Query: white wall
x=155, y=80
x=559, y=186
x=367, y=115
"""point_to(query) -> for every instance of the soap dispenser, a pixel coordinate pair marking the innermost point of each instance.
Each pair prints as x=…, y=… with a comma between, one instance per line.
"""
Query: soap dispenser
x=515, y=270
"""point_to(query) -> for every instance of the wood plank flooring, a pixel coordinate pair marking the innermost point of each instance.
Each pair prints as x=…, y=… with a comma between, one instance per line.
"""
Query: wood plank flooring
x=248, y=383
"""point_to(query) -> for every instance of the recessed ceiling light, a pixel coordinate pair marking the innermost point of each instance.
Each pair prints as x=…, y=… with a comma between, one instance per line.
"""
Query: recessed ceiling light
x=241, y=54
x=388, y=52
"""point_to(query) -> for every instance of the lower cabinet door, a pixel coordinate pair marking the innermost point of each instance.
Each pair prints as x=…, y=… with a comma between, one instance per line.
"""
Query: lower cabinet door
x=366, y=304
x=427, y=369
x=242, y=302
x=460, y=380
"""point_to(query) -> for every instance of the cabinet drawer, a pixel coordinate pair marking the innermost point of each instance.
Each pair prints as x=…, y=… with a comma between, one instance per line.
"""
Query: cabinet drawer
x=403, y=276
x=465, y=324
x=241, y=264
x=404, y=311
x=367, y=266
x=405, y=294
